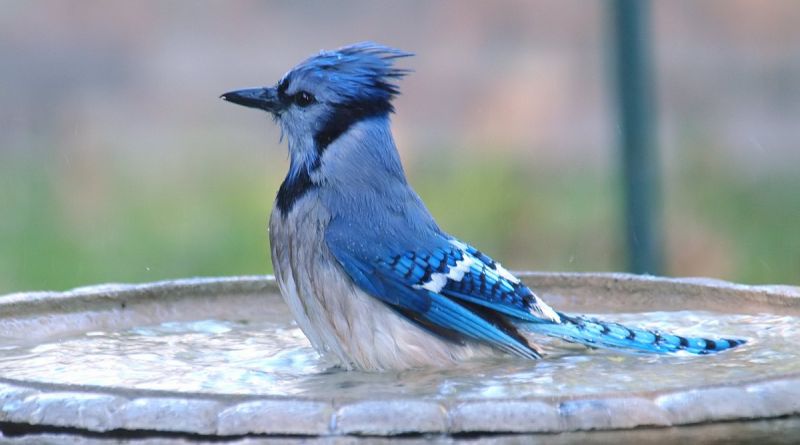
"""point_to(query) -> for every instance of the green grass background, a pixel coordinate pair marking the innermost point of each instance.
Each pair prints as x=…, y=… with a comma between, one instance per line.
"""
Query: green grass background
x=67, y=226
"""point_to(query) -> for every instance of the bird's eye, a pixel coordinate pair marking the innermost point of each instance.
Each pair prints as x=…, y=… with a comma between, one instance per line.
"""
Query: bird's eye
x=304, y=99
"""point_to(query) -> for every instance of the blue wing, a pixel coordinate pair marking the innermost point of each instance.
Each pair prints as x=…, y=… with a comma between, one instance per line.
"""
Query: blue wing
x=454, y=288
x=451, y=289
x=475, y=277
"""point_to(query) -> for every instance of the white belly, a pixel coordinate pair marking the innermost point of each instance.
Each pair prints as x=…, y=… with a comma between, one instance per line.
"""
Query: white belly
x=344, y=324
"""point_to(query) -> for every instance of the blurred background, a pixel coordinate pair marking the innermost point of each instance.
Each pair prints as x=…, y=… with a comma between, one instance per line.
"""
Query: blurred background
x=118, y=162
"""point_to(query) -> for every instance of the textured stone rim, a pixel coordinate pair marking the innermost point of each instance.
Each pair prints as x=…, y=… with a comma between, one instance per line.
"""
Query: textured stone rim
x=103, y=409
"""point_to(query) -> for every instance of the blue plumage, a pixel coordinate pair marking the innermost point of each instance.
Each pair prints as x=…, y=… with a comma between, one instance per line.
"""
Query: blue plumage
x=477, y=281
x=593, y=332
x=481, y=284
x=346, y=219
x=398, y=281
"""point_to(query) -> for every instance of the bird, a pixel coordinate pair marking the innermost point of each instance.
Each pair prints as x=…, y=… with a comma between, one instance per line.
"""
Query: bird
x=367, y=273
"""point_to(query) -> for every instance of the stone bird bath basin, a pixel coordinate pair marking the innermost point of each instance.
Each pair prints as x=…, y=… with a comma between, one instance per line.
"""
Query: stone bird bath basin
x=219, y=359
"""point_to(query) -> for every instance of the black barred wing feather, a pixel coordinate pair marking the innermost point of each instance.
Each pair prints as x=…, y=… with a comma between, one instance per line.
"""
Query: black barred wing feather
x=462, y=272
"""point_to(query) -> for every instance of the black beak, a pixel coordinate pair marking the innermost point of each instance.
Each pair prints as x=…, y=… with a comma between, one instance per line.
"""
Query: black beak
x=263, y=98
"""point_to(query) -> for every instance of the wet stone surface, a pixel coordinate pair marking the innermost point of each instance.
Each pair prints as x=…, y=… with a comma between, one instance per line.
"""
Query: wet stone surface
x=175, y=359
x=273, y=358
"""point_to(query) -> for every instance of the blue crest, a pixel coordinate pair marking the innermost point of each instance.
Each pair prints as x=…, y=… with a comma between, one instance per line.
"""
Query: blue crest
x=363, y=74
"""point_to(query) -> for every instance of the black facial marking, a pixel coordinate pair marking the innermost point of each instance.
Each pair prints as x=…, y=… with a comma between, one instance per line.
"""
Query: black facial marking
x=293, y=189
x=283, y=85
x=711, y=345
x=347, y=114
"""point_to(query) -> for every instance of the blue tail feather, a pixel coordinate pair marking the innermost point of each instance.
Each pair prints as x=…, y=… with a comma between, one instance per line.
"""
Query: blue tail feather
x=593, y=332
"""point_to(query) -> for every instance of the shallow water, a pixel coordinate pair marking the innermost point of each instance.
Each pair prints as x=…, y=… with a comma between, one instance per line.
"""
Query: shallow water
x=267, y=358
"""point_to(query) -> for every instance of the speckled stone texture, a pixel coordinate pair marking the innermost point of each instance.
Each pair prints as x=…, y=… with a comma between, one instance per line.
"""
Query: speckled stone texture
x=251, y=419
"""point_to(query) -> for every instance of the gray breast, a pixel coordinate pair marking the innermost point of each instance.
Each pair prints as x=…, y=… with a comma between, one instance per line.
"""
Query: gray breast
x=347, y=326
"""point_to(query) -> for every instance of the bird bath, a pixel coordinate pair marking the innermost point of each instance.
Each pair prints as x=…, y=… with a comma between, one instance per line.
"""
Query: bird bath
x=203, y=359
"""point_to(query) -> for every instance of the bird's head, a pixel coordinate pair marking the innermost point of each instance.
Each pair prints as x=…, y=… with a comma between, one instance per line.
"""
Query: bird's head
x=321, y=98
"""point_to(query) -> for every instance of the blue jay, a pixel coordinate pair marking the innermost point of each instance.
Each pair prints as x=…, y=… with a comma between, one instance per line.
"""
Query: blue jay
x=369, y=276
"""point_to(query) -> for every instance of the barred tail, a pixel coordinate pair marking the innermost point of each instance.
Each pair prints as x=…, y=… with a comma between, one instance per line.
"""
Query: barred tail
x=597, y=333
